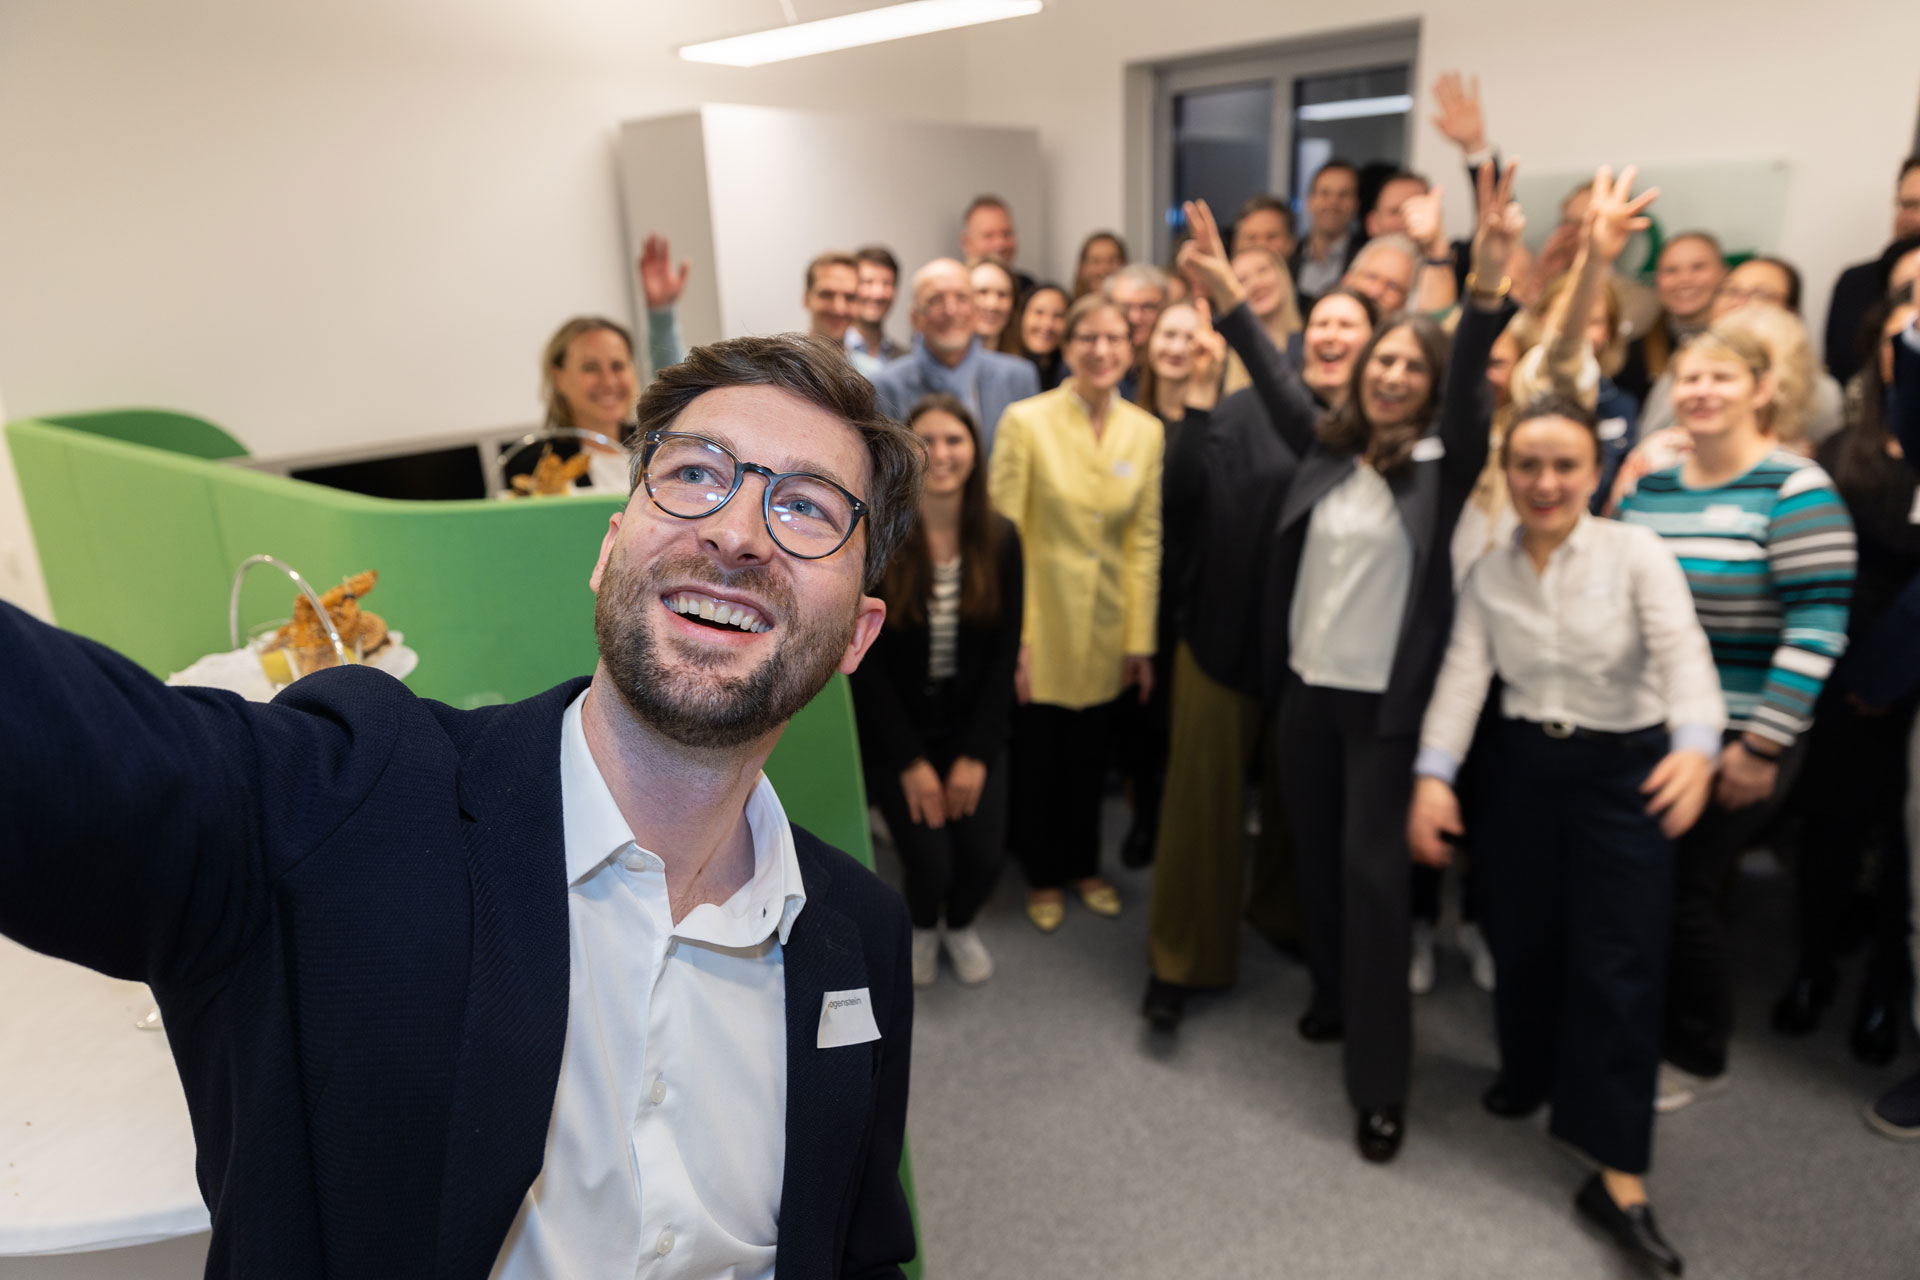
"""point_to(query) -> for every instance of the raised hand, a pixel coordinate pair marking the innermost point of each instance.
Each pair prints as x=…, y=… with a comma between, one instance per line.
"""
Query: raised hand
x=1425, y=224
x=1209, y=357
x=1203, y=260
x=658, y=280
x=1615, y=213
x=1456, y=112
x=1500, y=224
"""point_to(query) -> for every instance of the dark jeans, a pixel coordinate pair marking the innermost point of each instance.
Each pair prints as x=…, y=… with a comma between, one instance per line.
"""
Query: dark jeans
x=1852, y=789
x=1699, y=1018
x=1346, y=786
x=1060, y=757
x=1579, y=890
x=949, y=872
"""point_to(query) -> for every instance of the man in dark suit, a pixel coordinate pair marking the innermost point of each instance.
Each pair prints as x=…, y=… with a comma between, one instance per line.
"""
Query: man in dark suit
x=1863, y=284
x=536, y=990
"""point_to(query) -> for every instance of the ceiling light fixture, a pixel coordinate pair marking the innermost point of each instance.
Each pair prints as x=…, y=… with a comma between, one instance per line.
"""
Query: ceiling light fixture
x=1357, y=108
x=869, y=26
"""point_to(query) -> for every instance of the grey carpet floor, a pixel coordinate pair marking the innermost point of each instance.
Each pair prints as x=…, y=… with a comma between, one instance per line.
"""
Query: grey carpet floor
x=1053, y=1135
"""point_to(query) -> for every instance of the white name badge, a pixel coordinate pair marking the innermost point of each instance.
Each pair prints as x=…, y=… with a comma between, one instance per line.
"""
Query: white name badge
x=1720, y=517
x=1429, y=448
x=1913, y=513
x=1612, y=429
x=1123, y=469
x=846, y=1017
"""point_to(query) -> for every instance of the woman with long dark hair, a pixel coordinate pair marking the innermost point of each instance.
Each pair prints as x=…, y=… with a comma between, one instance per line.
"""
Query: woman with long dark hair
x=934, y=694
x=1359, y=599
x=1035, y=330
x=1101, y=254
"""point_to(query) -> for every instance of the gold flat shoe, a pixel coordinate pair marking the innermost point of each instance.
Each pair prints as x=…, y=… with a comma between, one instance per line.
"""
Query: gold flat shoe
x=1104, y=901
x=1046, y=916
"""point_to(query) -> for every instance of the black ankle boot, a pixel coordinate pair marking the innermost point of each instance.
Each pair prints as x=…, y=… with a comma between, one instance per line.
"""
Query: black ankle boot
x=1797, y=1011
x=1876, y=1027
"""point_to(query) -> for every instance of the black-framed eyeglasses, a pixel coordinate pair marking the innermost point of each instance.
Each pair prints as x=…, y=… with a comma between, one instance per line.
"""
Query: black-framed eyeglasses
x=690, y=476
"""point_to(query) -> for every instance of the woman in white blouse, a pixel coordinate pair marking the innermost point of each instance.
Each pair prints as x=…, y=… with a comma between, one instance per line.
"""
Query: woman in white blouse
x=1612, y=721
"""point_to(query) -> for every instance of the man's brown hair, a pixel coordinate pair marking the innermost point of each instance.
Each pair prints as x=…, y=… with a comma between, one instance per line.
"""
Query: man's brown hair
x=818, y=373
x=831, y=258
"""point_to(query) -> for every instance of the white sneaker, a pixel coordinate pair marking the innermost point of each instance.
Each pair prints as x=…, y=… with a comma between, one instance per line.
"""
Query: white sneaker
x=926, y=956
x=1479, y=955
x=1420, y=971
x=971, y=963
x=1678, y=1088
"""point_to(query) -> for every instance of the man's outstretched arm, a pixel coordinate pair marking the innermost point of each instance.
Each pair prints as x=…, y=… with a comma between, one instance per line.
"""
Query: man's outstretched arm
x=140, y=825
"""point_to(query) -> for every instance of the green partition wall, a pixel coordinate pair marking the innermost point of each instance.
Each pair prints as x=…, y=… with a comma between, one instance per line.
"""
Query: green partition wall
x=139, y=530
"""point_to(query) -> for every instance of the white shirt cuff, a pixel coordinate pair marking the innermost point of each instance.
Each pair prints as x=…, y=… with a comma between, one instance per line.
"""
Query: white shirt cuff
x=1695, y=737
x=1432, y=762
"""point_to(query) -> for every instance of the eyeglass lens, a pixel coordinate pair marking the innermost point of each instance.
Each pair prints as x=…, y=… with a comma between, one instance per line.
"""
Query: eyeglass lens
x=690, y=477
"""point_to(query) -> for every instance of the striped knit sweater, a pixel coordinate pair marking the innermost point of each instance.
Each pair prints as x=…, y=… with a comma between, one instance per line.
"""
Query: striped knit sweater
x=1770, y=558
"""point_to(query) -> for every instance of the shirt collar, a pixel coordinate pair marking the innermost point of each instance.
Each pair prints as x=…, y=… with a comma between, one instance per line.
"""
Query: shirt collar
x=1576, y=540
x=595, y=832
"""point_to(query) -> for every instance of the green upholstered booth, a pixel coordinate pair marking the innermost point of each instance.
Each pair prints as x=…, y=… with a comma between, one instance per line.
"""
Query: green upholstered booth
x=140, y=527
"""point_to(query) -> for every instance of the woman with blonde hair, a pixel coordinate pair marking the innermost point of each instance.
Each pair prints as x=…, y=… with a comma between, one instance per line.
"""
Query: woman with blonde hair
x=1768, y=550
x=1077, y=470
x=588, y=381
x=994, y=290
x=1268, y=284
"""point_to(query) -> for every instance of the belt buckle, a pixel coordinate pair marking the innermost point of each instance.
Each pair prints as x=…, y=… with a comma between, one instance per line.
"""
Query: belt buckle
x=1557, y=728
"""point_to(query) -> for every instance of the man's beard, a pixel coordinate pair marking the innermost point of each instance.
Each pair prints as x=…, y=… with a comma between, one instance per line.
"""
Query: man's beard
x=685, y=700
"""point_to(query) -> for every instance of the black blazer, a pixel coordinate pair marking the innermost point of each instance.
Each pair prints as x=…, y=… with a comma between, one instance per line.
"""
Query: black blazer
x=1226, y=474
x=892, y=699
x=351, y=905
x=1429, y=495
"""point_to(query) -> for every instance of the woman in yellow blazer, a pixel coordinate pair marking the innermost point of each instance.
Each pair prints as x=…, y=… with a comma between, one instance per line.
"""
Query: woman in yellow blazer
x=1077, y=469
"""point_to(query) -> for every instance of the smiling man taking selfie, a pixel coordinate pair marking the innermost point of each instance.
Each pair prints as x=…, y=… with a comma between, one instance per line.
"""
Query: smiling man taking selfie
x=549, y=989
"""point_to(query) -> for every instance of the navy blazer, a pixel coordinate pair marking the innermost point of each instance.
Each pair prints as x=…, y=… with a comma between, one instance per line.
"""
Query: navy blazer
x=1428, y=492
x=351, y=905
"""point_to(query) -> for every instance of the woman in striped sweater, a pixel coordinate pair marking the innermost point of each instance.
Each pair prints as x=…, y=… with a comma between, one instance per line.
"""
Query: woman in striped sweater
x=1768, y=550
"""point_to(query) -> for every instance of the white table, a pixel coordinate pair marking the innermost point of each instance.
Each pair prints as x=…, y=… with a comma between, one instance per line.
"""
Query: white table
x=95, y=1149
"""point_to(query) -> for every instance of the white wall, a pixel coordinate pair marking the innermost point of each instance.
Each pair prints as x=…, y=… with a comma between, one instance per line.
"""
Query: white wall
x=1831, y=88
x=332, y=223
x=769, y=188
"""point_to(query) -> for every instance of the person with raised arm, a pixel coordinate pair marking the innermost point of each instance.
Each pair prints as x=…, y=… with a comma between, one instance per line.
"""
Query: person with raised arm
x=1359, y=597
x=1227, y=471
x=539, y=989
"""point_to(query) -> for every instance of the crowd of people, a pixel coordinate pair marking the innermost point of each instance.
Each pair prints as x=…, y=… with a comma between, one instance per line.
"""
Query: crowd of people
x=1454, y=552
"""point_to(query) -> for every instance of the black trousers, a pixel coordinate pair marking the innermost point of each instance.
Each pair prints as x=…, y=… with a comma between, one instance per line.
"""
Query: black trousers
x=1852, y=789
x=1346, y=786
x=1060, y=756
x=1699, y=1018
x=1579, y=893
x=948, y=874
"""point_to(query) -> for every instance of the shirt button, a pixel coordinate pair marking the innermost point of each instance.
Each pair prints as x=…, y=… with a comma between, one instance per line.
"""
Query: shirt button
x=659, y=1092
x=664, y=1245
x=633, y=860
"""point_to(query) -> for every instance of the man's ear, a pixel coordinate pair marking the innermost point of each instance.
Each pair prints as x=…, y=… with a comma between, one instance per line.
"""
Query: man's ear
x=869, y=617
x=606, y=550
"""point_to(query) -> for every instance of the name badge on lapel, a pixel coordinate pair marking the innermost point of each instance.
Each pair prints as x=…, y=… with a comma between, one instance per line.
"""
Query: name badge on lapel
x=846, y=1017
x=1123, y=469
x=1429, y=449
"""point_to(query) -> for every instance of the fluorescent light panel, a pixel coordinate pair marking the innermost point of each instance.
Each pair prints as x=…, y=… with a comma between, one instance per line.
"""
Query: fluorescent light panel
x=1356, y=108
x=869, y=26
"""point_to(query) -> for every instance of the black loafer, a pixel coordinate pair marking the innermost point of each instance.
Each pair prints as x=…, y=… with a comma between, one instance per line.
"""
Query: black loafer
x=1500, y=1101
x=1632, y=1228
x=1320, y=1030
x=1164, y=1005
x=1876, y=1028
x=1797, y=1011
x=1380, y=1134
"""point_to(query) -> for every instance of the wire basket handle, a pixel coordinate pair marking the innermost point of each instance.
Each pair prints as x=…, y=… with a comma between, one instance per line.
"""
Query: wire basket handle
x=313, y=598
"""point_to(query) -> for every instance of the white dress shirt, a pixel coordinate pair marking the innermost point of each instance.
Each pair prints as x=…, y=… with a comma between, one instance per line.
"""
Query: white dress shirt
x=1606, y=639
x=1344, y=623
x=668, y=1139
